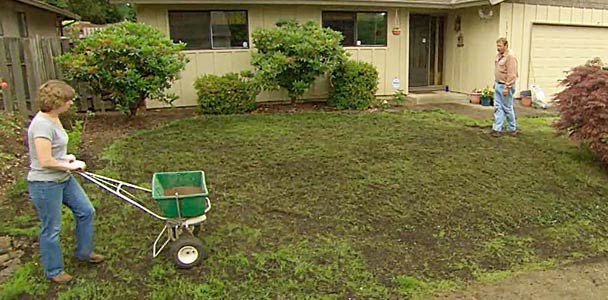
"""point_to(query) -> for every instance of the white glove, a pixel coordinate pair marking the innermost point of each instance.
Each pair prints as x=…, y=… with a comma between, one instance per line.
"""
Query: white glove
x=69, y=158
x=77, y=165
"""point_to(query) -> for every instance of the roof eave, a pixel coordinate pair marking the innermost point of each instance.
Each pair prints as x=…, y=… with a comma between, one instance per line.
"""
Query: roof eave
x=51, y=8
x=455, y=4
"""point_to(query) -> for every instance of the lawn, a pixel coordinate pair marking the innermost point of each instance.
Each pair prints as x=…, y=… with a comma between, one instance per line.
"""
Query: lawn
x=330, y=205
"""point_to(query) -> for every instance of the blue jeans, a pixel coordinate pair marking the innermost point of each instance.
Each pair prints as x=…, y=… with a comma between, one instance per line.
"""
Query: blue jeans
x=503, y=107
x=48, y=197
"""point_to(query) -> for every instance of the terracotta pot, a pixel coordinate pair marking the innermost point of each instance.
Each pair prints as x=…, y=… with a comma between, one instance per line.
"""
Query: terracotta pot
x=396, y=31
x=475, y=98
x=526, y=101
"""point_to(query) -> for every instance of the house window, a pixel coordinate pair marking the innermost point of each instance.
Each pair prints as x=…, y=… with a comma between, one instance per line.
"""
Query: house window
x=209, y=29
x=23, y=32
x=358, y=28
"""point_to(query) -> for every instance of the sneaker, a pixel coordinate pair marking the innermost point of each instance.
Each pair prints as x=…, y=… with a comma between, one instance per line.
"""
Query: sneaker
x=514, y=133
x=62, y=278
x=496, y=134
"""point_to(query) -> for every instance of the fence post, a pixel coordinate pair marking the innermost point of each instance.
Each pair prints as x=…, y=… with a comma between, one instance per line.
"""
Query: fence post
x=6, y=94
x=56, y=52
x=18, y=75
x=33, y=70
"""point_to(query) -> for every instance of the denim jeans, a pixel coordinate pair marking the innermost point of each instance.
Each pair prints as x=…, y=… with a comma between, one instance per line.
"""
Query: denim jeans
x=503, y=107
x=48, y=197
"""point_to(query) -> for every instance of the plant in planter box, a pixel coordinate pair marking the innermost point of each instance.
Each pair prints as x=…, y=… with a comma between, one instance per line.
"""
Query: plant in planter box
x=487, y=96
x=475, y=96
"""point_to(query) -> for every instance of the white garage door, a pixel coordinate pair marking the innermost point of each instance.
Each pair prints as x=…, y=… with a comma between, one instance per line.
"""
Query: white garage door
x=556, y=49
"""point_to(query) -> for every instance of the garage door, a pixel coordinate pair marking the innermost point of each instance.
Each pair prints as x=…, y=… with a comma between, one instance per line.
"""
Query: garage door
x=556, y=49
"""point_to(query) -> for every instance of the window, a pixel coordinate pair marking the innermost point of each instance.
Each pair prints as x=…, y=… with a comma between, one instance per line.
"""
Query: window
x=209, y=29
x=358, y=28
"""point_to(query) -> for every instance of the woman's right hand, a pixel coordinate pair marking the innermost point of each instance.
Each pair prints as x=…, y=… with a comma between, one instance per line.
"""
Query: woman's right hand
x=77, y=165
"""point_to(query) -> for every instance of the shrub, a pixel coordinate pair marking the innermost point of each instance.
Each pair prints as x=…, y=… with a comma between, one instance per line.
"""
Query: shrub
x=229, y=94
x=583, y=107
x=354, y=85
x=126, y=63
x=293, y=55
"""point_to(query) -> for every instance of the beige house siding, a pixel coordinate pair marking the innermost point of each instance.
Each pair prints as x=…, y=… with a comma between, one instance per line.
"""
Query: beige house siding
x=470, y=66
x=517, y=23
x=39, y=22
x=391, y=61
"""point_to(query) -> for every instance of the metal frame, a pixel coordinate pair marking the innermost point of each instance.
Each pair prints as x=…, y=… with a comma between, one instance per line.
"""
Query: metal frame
x=173, y=227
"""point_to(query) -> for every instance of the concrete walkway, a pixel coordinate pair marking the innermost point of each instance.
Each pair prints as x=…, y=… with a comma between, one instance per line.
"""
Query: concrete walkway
x=459, y=103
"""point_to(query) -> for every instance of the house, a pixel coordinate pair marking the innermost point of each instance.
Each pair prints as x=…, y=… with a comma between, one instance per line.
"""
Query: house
x=414, y=44
x=29, y=18
x=81, y=29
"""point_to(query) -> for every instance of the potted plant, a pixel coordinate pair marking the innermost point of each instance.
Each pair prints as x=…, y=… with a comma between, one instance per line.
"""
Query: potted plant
x=487, y=96
x=526, y=98
x=396, y=30
x=475, y=96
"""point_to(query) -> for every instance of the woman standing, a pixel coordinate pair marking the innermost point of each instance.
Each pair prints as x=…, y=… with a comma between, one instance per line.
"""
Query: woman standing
x=51, y=184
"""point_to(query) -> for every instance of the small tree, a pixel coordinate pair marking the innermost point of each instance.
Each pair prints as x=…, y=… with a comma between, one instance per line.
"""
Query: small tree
x=293, y=55
x=126, y=63
x=583, y=107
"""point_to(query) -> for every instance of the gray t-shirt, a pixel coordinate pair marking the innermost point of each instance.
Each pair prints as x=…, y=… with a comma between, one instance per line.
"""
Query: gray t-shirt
x=43, y=127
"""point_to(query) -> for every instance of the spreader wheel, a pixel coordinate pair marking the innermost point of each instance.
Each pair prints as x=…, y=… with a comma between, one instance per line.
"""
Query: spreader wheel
x=187, y=251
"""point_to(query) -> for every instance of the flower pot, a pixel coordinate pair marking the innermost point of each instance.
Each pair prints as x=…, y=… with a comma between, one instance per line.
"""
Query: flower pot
x=475, y=98
x=526, y=101
x=396, y=31
x=487, y=101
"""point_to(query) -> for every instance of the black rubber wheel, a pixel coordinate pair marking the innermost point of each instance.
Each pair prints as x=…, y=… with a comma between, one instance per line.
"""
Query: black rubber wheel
x=187, y=251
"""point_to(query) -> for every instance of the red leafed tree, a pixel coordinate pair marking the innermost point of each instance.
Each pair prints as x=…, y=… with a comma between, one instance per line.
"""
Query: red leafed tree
x=583, y=107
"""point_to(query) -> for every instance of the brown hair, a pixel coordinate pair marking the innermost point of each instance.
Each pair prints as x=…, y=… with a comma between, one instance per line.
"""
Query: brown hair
x=53, y=94
x=503, y=41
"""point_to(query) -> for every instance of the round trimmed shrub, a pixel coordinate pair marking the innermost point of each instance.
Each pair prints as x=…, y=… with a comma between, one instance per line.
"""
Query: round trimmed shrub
x=354, y=85
x=231, y=93
x=126, y=63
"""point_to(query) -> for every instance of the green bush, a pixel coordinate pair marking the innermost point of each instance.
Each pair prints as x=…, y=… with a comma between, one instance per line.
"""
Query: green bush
x=75, y=137
x=354, y=85
x=228, y=94
x=126, y=64
x=293, y=55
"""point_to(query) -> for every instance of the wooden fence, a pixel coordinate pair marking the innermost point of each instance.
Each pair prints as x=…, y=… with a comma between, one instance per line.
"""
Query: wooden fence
x=26, y=63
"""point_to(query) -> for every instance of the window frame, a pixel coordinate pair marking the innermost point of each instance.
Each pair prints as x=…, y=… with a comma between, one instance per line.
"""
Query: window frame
x=356, y=29
x=210, y=11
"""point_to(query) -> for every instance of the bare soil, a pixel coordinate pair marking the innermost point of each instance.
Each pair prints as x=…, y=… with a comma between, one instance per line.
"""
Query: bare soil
x=584, y=281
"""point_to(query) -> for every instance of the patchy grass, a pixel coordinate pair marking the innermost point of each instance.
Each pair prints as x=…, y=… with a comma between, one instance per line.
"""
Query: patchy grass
x=349, y=205
x=23, y=281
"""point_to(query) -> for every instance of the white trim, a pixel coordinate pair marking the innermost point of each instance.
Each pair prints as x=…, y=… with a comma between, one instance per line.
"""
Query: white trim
x=568, y=24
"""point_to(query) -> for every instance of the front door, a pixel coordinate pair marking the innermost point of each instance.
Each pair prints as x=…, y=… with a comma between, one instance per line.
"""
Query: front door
x=426, y=50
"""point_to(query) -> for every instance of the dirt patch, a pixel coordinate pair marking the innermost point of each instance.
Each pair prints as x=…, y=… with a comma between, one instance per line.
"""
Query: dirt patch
x=580, y=281
x=273, y=108
x=105, y=128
